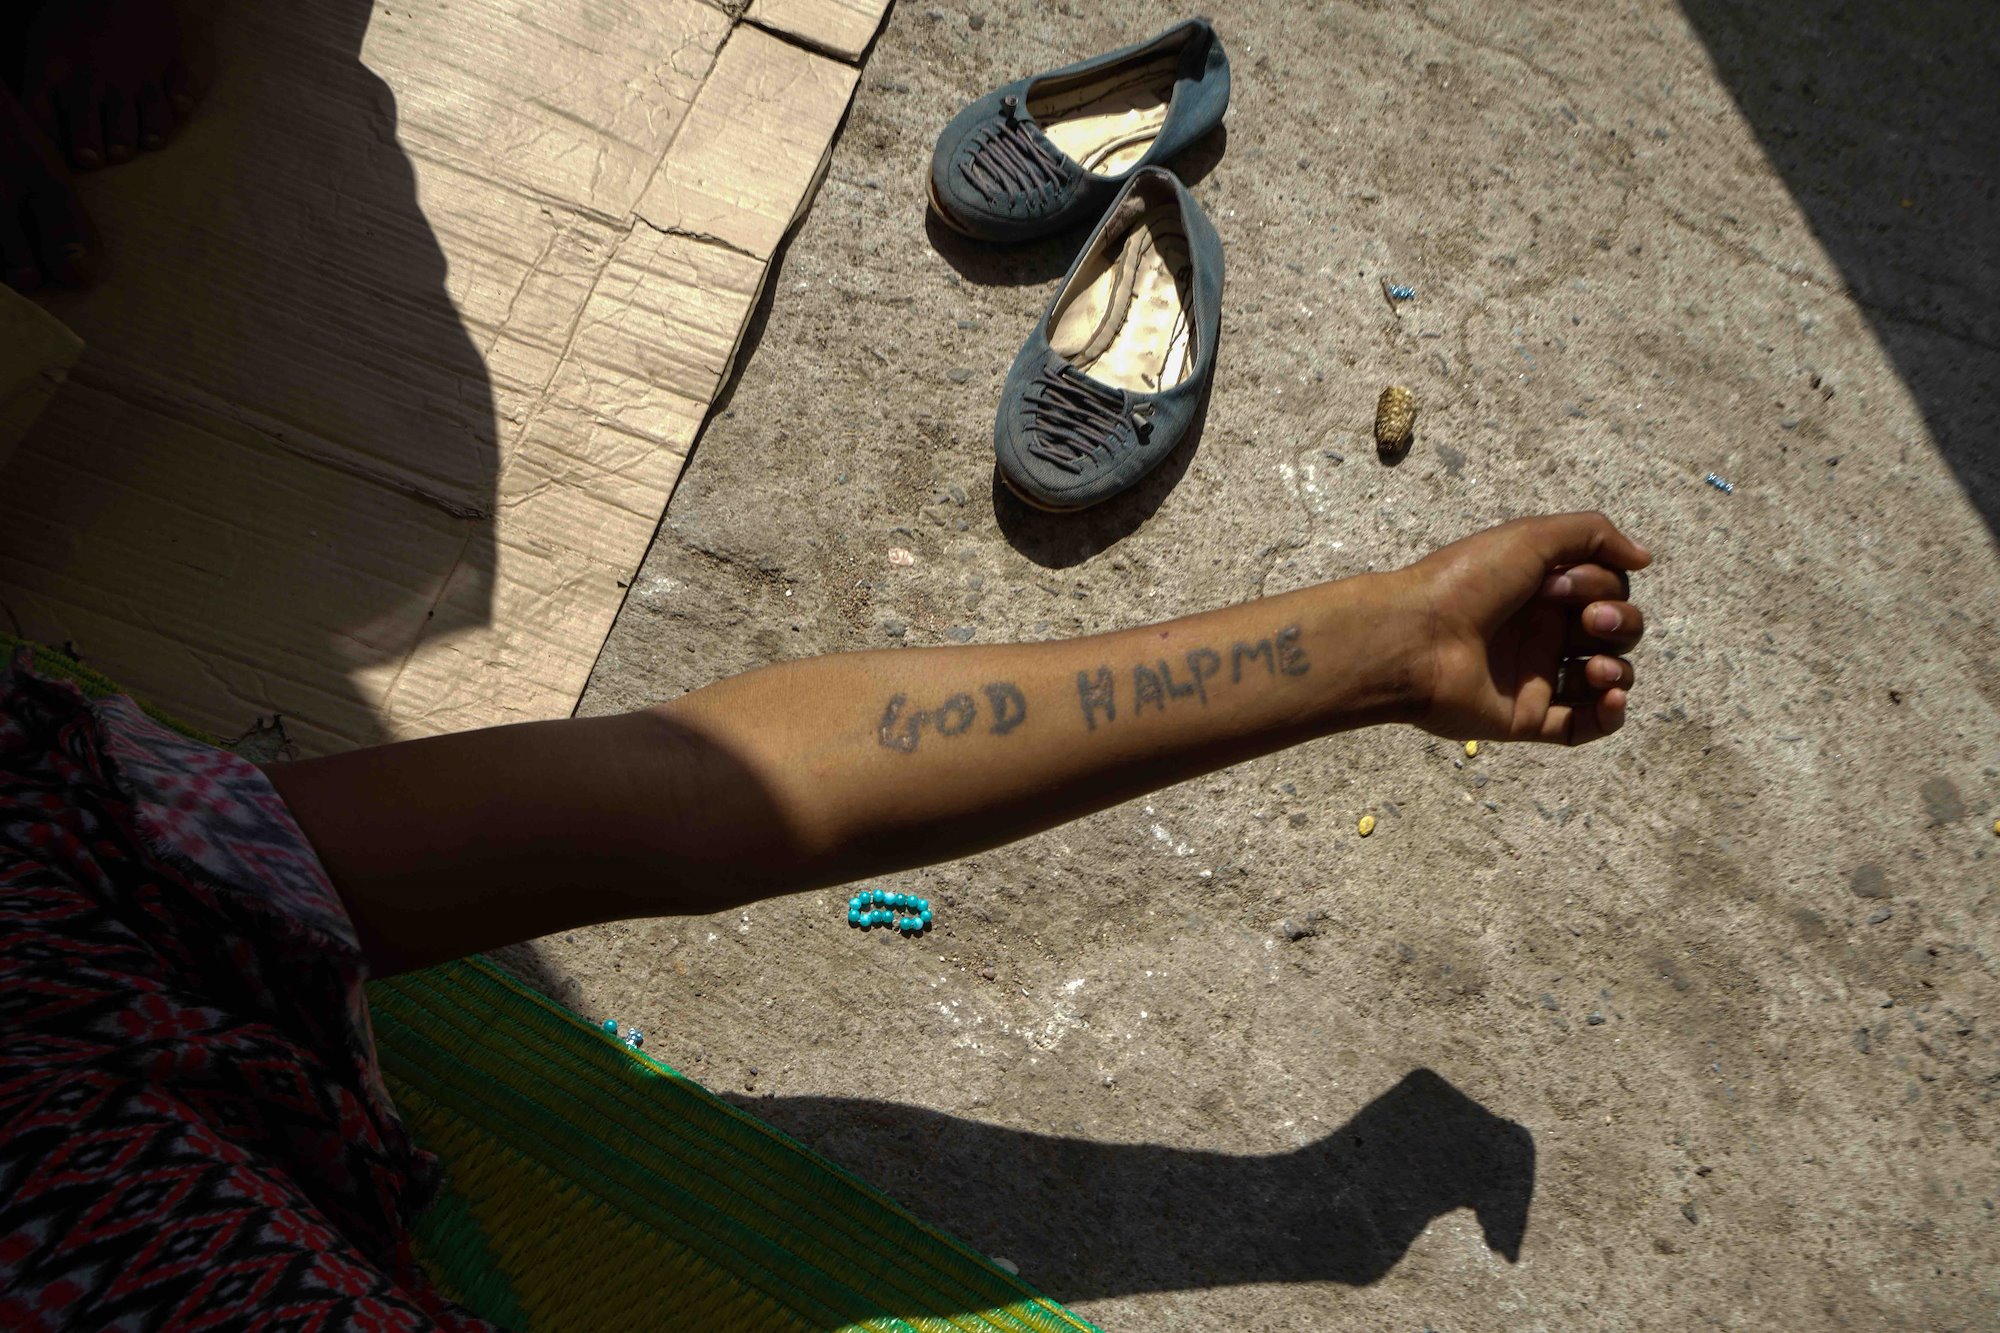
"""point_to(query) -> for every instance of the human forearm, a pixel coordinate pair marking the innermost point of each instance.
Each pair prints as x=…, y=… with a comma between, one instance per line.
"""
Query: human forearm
x=888, y=759
x=824, y=770
x=829, y=769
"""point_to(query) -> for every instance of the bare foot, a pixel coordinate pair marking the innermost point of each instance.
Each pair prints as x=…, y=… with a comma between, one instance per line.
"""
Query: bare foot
x=105, y=78
x=45, y=236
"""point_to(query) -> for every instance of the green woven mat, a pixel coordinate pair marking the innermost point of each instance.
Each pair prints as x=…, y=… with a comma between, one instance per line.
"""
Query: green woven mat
x=590, y=1187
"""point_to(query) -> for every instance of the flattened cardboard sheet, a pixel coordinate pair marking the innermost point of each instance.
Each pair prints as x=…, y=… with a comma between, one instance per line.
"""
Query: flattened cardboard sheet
x=840, y=28
x=391, y=371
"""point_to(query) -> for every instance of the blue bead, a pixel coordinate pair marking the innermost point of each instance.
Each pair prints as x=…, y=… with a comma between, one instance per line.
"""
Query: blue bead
x=925, y=916
x=895, y=900
x=853, y=916
x=611, y=1026
x=923, y=904
x=884, y=918
x=878, y=897
x=911, y=925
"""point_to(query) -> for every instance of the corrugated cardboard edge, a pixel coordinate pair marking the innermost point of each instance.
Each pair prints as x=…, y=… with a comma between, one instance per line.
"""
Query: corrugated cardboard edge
x=841, y=28
x=36, y=353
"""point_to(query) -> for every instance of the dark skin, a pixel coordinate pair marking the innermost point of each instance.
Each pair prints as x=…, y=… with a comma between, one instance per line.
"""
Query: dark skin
x=831, y=769
x=90, y=83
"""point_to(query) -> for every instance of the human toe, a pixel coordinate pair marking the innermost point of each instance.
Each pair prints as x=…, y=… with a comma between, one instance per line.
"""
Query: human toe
x=18, y=266
x=62, y=236
x=80, y=116
x=181, y=89
x=156, y=117
x=120, y=114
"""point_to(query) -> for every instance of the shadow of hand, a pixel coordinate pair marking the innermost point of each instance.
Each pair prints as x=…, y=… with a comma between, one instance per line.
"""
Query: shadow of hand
x=1086, y=1219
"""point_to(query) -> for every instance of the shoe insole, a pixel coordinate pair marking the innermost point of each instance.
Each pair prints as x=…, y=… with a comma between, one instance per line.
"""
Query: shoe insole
x=1108, y=121
x=1128, y=321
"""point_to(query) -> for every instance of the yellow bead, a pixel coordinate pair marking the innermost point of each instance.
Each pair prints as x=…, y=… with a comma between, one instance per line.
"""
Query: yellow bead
x=1395, y=415
x=1996, y=826
x=1471, y=749
x=1366, y=826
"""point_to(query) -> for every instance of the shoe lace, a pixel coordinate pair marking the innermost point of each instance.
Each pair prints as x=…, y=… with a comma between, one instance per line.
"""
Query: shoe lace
x=1071, y=417
x=1009, y=159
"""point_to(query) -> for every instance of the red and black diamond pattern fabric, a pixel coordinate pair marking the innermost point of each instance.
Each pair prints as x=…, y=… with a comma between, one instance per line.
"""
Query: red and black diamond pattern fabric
x=193, y=1131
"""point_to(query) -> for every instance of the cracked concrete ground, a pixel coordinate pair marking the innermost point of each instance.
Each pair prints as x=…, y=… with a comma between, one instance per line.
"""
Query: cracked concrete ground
x=1693, y=1026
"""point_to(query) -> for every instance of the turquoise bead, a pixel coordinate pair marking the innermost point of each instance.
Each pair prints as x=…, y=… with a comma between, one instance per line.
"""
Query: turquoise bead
x=878, y=897
x=611, y=1026
x=853, y=916
x=909, y=925
x=884, y=918
x=898, y=900
x=923, y=904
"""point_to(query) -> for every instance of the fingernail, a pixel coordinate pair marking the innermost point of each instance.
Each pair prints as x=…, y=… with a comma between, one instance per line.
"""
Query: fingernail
x=88, y=159
x=1560, y=586
x=1601, y=618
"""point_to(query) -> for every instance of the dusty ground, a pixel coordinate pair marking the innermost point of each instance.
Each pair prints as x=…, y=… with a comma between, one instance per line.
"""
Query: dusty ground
x=1691, y=1027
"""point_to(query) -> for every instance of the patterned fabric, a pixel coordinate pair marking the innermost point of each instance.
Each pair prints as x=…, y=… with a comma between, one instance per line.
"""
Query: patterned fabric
x=193, y=1130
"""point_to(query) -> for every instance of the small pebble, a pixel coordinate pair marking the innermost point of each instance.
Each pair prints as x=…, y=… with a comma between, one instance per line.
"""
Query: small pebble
x=1594, y=1018
x=987, y=973
x=1008, y=1264
x=1687, y=1211
x=959, y=633
x=1879, y=915
x=1471, y=749
x=1366, y=826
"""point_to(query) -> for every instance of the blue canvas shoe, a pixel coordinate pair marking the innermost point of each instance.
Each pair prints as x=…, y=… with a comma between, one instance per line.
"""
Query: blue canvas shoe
x=1047, y=153
x=1112, y=377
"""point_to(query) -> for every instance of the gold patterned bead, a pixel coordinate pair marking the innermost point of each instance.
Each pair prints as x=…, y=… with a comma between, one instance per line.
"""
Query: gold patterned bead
x=1395, y=419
